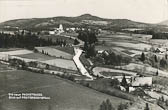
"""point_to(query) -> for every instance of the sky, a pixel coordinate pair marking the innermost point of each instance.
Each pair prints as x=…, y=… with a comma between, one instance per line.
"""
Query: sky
x=148, y=11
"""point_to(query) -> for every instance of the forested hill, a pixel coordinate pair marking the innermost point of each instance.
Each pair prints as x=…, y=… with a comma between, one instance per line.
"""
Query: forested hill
x=83, y=20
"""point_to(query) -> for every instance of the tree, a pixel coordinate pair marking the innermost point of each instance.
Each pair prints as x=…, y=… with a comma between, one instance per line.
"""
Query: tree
x=157, y=73
x=166, y=56
x=47, y=66
x=142, y=57
x=124, y=82
x=42, y=52
x=106, y=105
x=156, y=59
x=122, y=106
x=76, y=42
x=147, y=107
x=88, y=36
x=91, y=51
x=85, y=48
x=163, y=63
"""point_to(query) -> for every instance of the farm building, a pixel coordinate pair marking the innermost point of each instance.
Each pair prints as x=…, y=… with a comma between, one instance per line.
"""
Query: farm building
x=160, y=50
x=51, y=32
x=4, y=57
x=141, y=81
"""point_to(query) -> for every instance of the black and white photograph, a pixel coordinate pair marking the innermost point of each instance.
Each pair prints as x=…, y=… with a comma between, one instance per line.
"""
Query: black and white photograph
x=83, y=54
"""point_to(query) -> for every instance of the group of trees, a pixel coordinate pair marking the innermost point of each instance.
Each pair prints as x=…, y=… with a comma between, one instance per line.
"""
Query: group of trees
x=114, y=59
x=61, y=42
x=89, y=38
x=23, y=41
x=106, y=105
x=160, y=36
x=76, y=42
x=162, y=102
x=154, y=61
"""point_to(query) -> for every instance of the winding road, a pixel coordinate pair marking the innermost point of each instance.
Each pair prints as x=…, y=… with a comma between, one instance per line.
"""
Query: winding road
x=76, y=59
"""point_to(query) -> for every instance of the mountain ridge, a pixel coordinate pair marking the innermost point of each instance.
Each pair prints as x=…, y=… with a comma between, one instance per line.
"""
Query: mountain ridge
x=82, y=20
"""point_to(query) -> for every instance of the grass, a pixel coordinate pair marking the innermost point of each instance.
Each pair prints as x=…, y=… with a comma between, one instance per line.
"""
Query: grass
x=55, y=52
x=65, y=95
x=36, y=56
x=68, y=64
x=9, y=49
x=160, y=80
x=4, y=67
x=69, y=50
x=127, y=52
x=113, y=74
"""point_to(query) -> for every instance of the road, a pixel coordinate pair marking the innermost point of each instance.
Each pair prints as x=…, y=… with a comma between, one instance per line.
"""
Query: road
x=78, y=63
x=76, y=59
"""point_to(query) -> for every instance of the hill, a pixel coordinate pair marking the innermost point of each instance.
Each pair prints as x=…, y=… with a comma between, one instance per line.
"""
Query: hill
x=164, y=23
x=65, y=95
x=83, y=20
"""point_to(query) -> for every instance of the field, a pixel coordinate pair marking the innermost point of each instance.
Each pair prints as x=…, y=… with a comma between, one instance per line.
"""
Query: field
x=64, y=59
x=4, y=67
x=129, y=44
x=159, y=42
x=68, y=64
x=55, y=52
x=99, y=70
x=143, y=69
x=64, y=94
x=36, y=56
x=17, y=52
x=69, y=50
x=9, y=49
x=113, y=74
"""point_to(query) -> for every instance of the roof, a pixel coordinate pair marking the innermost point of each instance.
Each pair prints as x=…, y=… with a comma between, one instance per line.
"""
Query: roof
x=161, y=49
x=141, y=81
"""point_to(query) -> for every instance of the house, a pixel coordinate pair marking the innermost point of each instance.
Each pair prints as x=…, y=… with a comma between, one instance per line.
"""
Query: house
x=51, y=32
x=141, y=81
x=4, y=57
x=103, y=52
x=160, y=50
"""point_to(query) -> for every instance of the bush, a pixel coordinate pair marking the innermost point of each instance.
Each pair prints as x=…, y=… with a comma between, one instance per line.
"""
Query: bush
x=106, y=105
x=122, y=106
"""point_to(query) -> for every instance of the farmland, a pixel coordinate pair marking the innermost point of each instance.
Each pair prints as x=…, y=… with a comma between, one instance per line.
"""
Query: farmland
x=55, y=52
x=68, y=64
x=99, y=70
x=17, y=52
x=125, y=43
x=64, y=94
x=36, y=56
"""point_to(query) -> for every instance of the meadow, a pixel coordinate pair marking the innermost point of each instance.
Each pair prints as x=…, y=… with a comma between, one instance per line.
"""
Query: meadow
x=64, y=94
x=36, y=56
x=55, y=52
x=62, y=63
x=128, y=44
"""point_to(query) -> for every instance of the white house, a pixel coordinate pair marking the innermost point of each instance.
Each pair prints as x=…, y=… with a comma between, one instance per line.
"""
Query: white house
x=4, y=57
x=141, y=81
x=160, y=50
x=51, y=32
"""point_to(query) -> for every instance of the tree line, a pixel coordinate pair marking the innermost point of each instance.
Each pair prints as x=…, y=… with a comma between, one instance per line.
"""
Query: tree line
x=114, y=59
x=160, y=36
x=28, y=41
